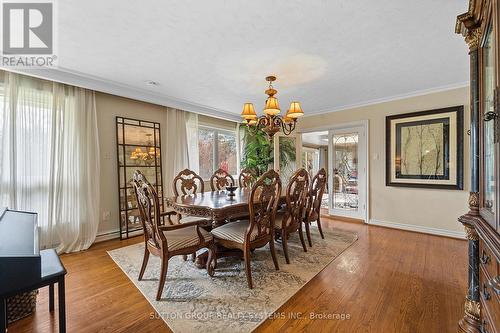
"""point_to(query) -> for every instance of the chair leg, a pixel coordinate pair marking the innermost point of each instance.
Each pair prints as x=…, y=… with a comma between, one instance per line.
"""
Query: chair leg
x=61, y=294
x=308, y=234
x=319, y=227
x=248, y=271
x=184, y=257
x=212, y=260
x=193, y=257
x=144, y=263
x=51, y=297
x=273, y=254
x=3, y=315
x=301, y=236
x=163, y=277
x=284, y=240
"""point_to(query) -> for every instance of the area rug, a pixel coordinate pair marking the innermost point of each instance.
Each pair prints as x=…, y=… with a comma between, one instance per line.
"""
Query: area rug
x=192, y=301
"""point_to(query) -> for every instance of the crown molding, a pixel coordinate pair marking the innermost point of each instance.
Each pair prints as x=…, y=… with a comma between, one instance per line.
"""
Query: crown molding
x=415, y=93
x=115, y=88
x=111, y=87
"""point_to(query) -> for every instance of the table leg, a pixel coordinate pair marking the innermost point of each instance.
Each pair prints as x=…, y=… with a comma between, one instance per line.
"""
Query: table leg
x=3, y=315
x=51, y=297
x=222, y=252
x=61, y=293
x=201, y=260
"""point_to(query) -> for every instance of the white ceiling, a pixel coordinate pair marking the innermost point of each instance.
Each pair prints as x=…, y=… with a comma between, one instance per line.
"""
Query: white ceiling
x=212, y=56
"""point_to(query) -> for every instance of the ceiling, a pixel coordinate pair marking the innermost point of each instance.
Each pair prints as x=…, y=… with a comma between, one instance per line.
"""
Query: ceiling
x=212, y=56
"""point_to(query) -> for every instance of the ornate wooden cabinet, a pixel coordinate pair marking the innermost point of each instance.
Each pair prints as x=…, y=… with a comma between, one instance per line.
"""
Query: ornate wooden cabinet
x=480, y=27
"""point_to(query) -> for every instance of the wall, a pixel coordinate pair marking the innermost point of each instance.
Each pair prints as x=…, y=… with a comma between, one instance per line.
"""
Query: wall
x=423, y=209
x=108, y=107
x=427, y=210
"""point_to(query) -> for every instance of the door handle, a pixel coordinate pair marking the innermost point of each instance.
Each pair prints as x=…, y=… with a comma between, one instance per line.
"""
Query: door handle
x=490, y=115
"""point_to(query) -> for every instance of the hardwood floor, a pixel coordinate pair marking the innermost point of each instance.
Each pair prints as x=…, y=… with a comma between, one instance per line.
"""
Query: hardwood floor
x=388, y=281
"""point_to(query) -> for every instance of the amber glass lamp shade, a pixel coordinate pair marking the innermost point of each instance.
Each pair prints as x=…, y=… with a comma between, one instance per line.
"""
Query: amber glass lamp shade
x=248, y=112
x=272, y=108
x=295, y=110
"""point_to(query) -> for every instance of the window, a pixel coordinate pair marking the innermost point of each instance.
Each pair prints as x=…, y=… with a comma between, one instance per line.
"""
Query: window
x=48, y=149
x=217, y=149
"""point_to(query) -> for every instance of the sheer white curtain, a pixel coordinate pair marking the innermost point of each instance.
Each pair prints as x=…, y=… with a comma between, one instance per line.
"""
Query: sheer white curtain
x=192, y=139
x=175, y=156
x=49, y=158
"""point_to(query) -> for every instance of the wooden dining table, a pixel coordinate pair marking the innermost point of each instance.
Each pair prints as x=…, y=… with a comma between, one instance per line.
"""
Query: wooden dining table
x=215, y=206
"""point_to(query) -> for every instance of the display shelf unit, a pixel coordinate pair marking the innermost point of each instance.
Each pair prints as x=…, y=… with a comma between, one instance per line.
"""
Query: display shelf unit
x=138, y=148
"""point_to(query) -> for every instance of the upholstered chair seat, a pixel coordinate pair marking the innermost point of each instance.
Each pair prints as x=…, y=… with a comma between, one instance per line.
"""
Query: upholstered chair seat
x=167, y=241
x=186, y=237
x=188, y=219
x=234, y=231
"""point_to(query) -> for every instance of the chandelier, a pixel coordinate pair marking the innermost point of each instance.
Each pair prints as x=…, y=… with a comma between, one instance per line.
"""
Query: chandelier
x=148, y=156
x=271, y=122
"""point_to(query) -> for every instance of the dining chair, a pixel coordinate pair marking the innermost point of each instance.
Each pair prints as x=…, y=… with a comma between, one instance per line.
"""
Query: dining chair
x=220, y=179
x=185, y=183
x=139, y=177
x=167, y=241
x=247, y=235
x=246, y=178
x=314, y=197
x=290, y=220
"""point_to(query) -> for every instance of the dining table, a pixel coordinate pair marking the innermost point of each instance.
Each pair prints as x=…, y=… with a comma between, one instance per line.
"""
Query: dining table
x=218, y=208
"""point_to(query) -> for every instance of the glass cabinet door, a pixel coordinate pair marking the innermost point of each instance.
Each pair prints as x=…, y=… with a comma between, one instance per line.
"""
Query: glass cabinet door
x=487, y=101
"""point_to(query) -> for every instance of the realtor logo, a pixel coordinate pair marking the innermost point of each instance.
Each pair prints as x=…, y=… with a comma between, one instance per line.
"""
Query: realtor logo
x=28, y=29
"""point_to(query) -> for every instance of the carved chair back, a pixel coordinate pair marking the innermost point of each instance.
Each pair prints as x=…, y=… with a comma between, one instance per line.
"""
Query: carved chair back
x=149, y=208
x=188, y=182
x=246, y=178
x=263, y=203
x=315, y=195
x=137, y=180
x=220, y=179
x=296, y=197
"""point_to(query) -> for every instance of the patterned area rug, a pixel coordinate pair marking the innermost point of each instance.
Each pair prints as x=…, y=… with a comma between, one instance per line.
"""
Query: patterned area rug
x=194, y=302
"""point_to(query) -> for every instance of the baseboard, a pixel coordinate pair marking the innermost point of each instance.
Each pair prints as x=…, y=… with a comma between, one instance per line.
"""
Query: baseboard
x=114, y=234
x=107, y=235
x=343, y=218
x=418, y=228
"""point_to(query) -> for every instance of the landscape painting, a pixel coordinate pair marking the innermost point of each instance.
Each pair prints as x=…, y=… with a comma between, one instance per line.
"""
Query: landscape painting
x=424, y=149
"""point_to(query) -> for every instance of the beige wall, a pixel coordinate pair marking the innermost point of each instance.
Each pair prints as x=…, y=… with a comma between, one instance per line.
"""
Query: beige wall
x=427, y=208
x=420, y=207
x=108, y=107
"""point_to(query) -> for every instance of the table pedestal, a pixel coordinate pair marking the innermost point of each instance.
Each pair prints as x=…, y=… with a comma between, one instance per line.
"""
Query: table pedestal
x=222, y=252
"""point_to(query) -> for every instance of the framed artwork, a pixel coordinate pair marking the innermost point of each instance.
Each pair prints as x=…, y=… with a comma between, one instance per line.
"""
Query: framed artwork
x=425, y=149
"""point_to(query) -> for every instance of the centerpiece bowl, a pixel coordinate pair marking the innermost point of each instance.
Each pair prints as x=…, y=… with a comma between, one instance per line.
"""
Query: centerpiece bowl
x=230, y=189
